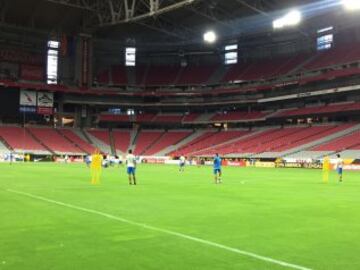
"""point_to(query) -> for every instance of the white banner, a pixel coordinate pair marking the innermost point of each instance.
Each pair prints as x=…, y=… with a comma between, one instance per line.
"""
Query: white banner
x=27, y=98
x=45, y=99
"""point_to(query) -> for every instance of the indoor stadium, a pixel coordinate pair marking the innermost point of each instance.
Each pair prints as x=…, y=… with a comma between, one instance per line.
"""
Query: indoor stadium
x=180, y=134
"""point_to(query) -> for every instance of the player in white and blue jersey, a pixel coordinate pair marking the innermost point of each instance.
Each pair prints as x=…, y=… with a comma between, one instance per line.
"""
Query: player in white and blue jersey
x=182, y=162
x=131, y=167
x=339, y=167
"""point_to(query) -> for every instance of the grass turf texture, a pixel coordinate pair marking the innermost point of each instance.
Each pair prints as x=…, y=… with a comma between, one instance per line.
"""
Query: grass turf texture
x=285, y=214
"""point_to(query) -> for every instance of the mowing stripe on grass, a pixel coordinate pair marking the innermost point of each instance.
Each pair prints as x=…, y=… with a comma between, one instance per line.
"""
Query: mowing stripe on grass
x=149, y=227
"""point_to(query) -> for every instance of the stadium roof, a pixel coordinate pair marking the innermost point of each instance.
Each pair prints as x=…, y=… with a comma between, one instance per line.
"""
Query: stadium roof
x=166, y=20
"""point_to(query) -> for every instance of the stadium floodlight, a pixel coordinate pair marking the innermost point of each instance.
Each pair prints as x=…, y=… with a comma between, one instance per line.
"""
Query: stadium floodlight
x=210, y=37
x=351, y=4
x=290, y=19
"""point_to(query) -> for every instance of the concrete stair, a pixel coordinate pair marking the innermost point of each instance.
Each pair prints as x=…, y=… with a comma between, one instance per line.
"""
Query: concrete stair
x=83, y=135
x=103, y=147
x=40, y=142
x=180, y=144
x=112, y=143
x=231, y=141
x=218, y=75
x=70, y=141
x=4, y=146
x=133, y=138
x=131, y=76
x=178, y=75
x=205, y=117
x=154, y=142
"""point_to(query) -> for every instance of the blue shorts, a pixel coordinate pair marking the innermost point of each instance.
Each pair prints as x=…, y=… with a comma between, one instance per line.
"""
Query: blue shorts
x=216, y=171
x=130, y=170
x=340, y=170
x=182, y=164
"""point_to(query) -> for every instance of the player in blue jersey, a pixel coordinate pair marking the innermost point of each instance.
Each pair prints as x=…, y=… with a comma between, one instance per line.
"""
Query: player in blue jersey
x=217, y=169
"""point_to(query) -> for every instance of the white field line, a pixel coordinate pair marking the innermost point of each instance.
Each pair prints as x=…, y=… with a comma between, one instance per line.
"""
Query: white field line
x=173, y=233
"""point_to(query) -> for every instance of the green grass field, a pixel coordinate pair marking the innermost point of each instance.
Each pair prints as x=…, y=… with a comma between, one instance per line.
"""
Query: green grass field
x=177, y=221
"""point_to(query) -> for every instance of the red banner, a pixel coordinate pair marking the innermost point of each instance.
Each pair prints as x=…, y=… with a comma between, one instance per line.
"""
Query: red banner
x=45, y=110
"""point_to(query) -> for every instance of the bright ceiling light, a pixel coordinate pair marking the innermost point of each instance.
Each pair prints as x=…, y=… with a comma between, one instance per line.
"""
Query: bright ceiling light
x=290, y=19
x=351, y=4
x=210, y=37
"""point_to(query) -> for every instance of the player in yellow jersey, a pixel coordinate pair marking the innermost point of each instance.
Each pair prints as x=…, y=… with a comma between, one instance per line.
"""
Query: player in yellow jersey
x=326, y=169
x=95, y=167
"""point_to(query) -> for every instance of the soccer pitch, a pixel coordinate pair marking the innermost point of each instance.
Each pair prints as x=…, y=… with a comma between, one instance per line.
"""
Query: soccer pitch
x=52, y=218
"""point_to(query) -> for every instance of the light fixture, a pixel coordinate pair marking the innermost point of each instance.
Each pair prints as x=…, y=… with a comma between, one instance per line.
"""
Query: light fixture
x=351, y=4
x=290, y=19
x=210, y=37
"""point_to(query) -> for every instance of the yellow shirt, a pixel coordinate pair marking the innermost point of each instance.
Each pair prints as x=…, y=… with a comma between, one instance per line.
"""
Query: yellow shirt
x=326, y=164
x=96, y=161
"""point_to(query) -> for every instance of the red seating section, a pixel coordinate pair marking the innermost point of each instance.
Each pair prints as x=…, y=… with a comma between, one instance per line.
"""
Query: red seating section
x=19, y=138
x=273, y=140
x=119, y=76
x=351, y=141
x=54, y=140
x=114, y=118
x=145, y=139
x=191, y=75
x=73, y=137
x=121, y=140
x=191, y=117
x=239, y=116
x=338, y=55
x=165, y=75
x=103, y=77
x=140, y=72
x=208, y=139
x=102, y=135
x=168, y=139
x=144, y=117
x=168, y=118
x=151, y=142
x=331, y=108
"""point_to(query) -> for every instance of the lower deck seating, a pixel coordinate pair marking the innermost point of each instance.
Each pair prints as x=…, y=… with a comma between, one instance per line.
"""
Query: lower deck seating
x=75, y=139
x=121, y=140
x=209, y=139
x=102, y=135
x=20, y=139
x=349, y=142
x=168, y=139
x=145, y=139
x=54, y=140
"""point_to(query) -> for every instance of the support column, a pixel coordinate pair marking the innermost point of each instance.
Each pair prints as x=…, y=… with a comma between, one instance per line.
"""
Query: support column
x=83, y=66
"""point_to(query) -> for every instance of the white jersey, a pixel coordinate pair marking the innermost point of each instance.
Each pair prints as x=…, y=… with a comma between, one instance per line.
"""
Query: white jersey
x=182, y=159
x=130, y=160
x=339, y=163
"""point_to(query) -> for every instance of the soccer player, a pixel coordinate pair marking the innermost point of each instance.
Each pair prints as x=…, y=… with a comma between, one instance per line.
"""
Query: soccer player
x=87, y=161
x=326, y=169
x=217, y=169
x=131, y=167
x=11, y=157
x=95, y=167
x=339, y=167
x=182, y=164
